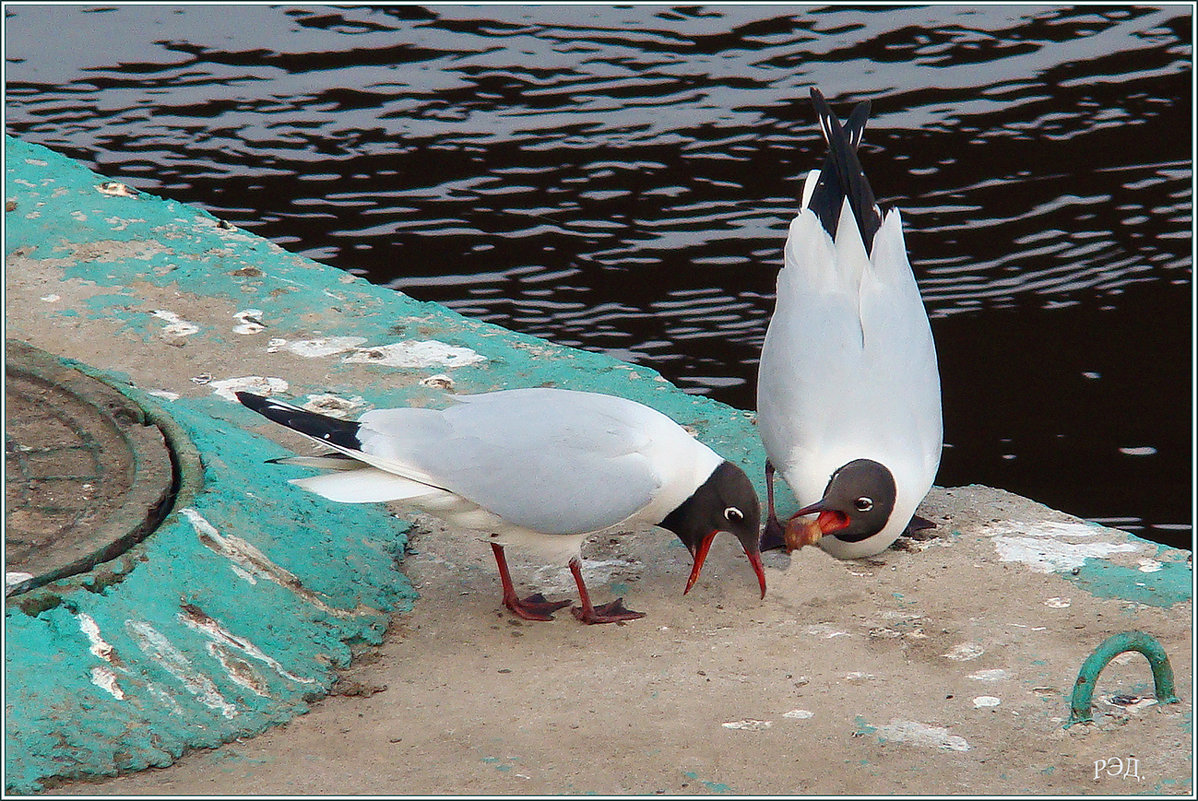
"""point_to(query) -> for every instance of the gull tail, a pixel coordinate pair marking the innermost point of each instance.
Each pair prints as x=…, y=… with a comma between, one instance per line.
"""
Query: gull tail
x=842, y=176
x=353, y=477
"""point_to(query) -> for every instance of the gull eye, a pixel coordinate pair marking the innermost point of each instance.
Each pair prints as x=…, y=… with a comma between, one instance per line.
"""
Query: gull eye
x=732, y=513
x=863, y=504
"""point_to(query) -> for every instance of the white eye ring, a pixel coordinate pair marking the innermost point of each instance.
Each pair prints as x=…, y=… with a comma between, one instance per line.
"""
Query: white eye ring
x=732, y=513
x=863, y=504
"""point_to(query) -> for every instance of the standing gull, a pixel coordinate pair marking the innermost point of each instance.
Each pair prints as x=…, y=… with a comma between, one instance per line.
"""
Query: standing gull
x=535, y=468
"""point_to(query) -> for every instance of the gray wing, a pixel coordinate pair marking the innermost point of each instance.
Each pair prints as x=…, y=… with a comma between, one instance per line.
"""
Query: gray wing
x=553, y=461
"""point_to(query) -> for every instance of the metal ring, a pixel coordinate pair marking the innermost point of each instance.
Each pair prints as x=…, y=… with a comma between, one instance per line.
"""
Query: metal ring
x=1083, y=688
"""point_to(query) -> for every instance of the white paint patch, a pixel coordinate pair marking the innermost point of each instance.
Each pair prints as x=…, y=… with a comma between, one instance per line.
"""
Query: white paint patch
x=175, y=325
x=218, y=633
x=993, y=674
x=1150, y=565
x=748, y=724
x=105, y=679
x=51, y=298
x=248, y=321
x=1052, y=556
x=410, y=353
x=825, y=631
x=922, y=735
x=98, y=646
x=856, y=677
x=259, y=385
x=1051, y=546
x=15, y=577
x=165, y=395
x=333, y=406
x=983, y=701
x=799, y=714
x=315, y=348
x=245, y=574
x=159, y=648
x=964, y=652
x=1059, y=603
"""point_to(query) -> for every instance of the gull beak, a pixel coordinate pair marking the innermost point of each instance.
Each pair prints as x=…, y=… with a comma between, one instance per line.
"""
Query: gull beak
x=700, y=555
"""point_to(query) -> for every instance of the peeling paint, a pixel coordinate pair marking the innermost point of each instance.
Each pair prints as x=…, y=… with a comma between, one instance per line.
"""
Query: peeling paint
x=156, y=646
x=193, y=617
x=413, y=353
x=798, y=714
x=1041, y=545
x=748, y=724
x=248, y=321
x=333, y=405
x=315, y=348
x=106, y=680
x=922, y=735
x=175, y=325
x=991, y=674
x=14, y=577
x=256, y=563
x=98, y=646
x=239, y=671
x=983, y=701
x=964, y=652
x=261, y=385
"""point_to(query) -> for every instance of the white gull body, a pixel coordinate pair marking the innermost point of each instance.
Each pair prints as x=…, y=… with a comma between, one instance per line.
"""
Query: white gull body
x=848, y=369
x=536, y=468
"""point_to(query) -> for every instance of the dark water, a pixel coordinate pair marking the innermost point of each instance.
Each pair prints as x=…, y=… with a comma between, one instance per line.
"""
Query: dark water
x=621, y=180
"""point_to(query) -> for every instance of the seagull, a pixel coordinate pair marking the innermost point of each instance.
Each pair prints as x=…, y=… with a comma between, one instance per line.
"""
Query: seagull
x=848, y=390
x=536, y=468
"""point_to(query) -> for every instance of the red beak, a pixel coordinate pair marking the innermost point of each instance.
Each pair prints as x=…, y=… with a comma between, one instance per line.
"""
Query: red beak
x=701, y=557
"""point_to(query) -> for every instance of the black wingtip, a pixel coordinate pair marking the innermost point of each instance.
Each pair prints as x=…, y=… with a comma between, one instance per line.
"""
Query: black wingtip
x=252, y=401
x=842, y=175
x=341, y=433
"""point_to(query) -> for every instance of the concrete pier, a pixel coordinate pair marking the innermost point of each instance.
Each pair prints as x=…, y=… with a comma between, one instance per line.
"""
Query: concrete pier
x=943, y=666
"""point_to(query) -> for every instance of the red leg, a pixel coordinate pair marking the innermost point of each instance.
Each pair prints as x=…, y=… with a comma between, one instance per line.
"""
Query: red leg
x=534, y=607
x=612, y=612
x=771, y=537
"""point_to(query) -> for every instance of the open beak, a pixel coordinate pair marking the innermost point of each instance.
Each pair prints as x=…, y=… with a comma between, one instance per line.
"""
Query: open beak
x=701, y=556
x=801, y=532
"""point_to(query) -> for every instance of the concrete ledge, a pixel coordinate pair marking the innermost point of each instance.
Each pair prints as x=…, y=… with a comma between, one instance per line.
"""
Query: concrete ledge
x=238, y=608
x=236, y=612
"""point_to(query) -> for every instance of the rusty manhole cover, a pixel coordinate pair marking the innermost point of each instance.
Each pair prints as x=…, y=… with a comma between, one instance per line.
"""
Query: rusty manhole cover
x=86, y=475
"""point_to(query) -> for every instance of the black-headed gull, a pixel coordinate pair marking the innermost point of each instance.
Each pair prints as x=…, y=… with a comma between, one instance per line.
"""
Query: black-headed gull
x=848, y=391
x=538, y=468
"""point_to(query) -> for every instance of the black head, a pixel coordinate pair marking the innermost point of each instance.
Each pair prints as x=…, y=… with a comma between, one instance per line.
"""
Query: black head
x=726, y=501
x=856, y=505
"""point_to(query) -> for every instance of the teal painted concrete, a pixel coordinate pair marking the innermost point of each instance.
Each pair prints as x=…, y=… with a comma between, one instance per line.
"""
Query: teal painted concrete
x=275, y=630
x=1171, y=584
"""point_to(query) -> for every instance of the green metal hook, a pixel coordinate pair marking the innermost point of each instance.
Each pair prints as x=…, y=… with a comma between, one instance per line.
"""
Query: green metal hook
x=1162, y=672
